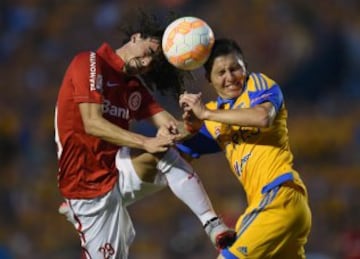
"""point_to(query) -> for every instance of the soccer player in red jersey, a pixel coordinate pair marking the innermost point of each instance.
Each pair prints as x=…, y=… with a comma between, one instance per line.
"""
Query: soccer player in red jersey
x=98, y=175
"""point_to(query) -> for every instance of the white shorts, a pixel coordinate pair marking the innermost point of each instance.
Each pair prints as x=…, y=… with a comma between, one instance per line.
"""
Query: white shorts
x=103, y=224
x=131, y=186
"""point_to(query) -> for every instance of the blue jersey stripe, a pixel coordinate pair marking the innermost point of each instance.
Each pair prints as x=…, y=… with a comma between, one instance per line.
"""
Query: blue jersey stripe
x=227, y=254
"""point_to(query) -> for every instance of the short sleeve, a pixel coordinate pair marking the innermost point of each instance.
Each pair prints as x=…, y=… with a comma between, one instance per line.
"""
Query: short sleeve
x=86, y=78
x=265, y=90
x=200, y=144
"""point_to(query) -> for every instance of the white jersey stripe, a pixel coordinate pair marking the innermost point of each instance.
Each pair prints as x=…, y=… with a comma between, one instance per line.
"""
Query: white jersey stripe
x=57, y=137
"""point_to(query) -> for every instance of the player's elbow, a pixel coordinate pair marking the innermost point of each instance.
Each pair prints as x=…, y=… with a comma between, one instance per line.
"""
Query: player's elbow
x=265, y=119
x=90, y=127
x=265, y=116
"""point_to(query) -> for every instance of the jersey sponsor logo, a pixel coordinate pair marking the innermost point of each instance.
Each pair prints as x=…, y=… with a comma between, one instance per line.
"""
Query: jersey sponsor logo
x=248, y=132
x=134, y=101
x=263, y=97
x=115, y=111
x=111, y=84
x=92, y=71
x=239, y=166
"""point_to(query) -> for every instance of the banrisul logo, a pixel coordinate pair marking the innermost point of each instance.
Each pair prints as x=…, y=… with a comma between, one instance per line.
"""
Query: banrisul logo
x=115, y=111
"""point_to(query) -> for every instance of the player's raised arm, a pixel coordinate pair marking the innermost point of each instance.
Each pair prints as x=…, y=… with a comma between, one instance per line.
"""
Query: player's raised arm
x=96, y=125
x=261, y=115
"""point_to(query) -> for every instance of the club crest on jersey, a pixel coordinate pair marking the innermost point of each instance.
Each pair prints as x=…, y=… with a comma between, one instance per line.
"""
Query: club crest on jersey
x=217, y=132
x=134, y=101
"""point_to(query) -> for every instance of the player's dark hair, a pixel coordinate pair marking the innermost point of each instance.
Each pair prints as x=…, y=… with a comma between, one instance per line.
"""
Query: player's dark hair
x=147, y=24
x=163, y=76
x=223, y=47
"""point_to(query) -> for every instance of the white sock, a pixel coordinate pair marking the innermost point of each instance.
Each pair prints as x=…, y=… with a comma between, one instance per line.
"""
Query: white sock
x=186, y=185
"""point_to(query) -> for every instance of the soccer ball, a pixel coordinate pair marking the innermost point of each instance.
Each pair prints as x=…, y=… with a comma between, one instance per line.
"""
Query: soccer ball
x=187, y=42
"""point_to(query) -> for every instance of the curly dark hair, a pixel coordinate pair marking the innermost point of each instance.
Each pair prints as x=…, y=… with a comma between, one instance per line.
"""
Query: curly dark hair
x=222, y=47
x=163, y=77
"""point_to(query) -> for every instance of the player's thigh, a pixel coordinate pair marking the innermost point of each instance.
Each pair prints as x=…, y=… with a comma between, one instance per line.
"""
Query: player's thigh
x=267, y=229
x=294, y=249
x=298, y=228
x=104, y=226
x=144, y=164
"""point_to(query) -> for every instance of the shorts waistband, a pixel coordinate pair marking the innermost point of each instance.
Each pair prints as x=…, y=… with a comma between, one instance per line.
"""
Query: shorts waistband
x=277, y=182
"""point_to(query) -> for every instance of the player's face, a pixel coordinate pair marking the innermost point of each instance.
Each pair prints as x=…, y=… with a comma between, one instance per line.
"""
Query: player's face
x=228, y=75
x=141, y=54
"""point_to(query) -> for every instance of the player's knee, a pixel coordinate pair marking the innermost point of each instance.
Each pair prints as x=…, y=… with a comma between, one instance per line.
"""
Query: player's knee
x=144, y=165
x=171, y=159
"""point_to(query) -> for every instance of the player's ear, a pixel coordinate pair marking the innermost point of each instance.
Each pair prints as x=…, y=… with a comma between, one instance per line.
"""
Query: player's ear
x=135, y=37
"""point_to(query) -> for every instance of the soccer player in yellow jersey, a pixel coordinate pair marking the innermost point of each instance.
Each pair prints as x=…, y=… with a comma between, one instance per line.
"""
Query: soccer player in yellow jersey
x=248, y=123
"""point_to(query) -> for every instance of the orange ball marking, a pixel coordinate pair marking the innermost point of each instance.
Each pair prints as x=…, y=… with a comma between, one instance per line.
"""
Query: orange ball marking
x=197, y=24
x=170, y=40
x=184, y=28
x=199, y=52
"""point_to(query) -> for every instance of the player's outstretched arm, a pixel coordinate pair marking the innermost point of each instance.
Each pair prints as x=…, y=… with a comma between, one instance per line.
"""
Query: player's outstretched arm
x=169, y=126
x=261, y=115
x=96, y=125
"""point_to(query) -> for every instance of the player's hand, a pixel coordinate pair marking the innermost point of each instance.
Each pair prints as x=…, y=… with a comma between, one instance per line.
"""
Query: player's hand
x=192, y=123
x=220, y=235
x=192, y=102
x=225, y=239
x=158, y=144
x=182, y=103
x=168, y=130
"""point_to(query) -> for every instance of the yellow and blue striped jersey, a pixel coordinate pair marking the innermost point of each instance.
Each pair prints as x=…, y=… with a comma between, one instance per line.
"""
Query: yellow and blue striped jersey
x=256, y=156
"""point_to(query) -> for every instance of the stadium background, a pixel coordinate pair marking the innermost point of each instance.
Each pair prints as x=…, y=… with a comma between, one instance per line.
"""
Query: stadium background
x=311, y=48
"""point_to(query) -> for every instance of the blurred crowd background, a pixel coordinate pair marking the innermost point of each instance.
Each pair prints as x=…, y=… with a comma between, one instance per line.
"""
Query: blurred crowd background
x=311, y=48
